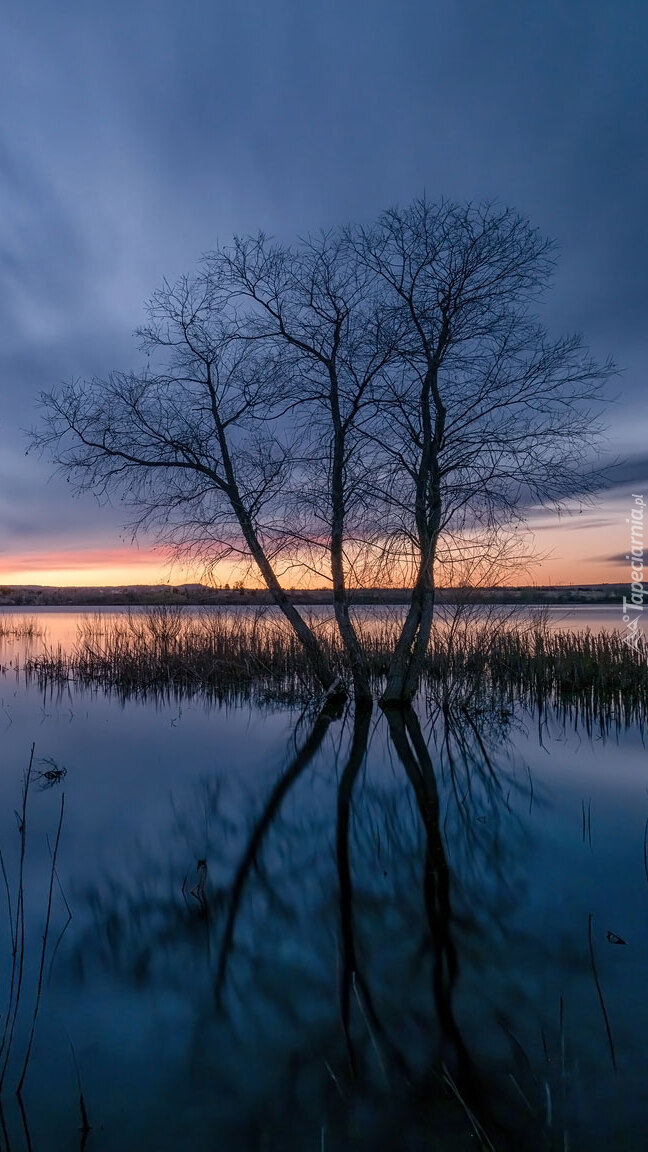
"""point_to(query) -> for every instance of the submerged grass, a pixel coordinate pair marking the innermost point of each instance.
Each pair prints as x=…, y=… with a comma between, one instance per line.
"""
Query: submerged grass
x=166, y=650
x=594, y=674
x=220, y=653
x=19, y=627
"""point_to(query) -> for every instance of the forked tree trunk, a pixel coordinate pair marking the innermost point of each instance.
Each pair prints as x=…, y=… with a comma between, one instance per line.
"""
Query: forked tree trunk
x=407, y=663
x=421, y=645
x=408, y=660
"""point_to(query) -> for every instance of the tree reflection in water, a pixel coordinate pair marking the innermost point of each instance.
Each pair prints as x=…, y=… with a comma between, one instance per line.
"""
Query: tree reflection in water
x=319, y=947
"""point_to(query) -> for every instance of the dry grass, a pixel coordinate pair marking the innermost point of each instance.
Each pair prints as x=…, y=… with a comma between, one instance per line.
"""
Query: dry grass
x=253, y=653
x=19, y=627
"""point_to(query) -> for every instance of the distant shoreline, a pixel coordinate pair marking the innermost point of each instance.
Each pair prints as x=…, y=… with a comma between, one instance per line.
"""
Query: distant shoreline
x=29, y=595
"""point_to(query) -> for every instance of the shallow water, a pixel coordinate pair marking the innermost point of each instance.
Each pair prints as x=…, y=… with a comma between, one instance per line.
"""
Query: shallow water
x=58, y=625
x=404, y=939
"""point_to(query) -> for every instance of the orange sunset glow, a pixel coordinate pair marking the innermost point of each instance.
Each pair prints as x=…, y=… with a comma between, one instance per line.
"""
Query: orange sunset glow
x=91, y=568
x=579, y=548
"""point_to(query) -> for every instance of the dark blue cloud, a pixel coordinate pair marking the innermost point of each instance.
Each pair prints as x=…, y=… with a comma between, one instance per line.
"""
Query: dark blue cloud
x=137, y=134
x=618, y=558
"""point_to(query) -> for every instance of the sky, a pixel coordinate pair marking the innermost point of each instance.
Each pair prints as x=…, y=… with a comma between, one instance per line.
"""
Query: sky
x=137, y=134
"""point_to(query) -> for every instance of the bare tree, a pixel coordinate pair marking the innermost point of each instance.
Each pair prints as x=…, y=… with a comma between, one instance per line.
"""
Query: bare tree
x=318, y=305
x=485, y=413
x=197, y=448
x=369, y=404
x=247, y=442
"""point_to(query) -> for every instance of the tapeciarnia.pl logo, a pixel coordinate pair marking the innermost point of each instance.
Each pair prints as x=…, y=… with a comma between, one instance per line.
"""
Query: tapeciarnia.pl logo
x=633, y=605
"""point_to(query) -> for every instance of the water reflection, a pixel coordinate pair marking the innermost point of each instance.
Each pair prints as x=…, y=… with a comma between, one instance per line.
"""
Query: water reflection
x=381, y=944
x=318, y=947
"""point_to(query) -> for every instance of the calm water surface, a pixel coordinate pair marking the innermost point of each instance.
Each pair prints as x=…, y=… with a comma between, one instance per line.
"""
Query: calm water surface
x=286, y=936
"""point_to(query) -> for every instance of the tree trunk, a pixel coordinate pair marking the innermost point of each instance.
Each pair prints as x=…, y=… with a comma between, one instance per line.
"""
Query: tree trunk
x=409, y=655
x=353, y=648
x=359, y=672
x=305, y=635
x=399, y=663
x=407, y=662
x=421, y=643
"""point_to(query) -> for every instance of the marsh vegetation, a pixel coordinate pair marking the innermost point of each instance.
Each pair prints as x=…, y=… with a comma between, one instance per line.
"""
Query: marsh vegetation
x=19, y=627
x=512, y=655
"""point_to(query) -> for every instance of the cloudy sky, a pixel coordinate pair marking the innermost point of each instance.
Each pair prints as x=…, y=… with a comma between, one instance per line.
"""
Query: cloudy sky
x=138, y=133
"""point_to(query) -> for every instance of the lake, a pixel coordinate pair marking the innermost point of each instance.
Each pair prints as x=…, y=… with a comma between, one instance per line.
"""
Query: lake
x=272, y=931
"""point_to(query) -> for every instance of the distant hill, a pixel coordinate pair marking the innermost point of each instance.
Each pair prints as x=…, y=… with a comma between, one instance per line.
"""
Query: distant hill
x=40, y=595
